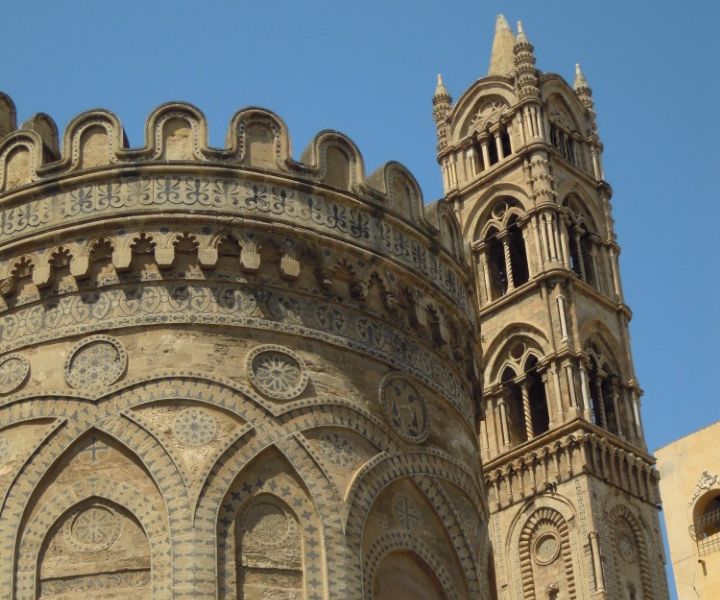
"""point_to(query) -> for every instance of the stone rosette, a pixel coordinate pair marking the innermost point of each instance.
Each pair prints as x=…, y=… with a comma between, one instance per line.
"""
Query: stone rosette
x=14, y=370
x=405, y=408
x=546, y=548
x=277, y=372
x=98, y=360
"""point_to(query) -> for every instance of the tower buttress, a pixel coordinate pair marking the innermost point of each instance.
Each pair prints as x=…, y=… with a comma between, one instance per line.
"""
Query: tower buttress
x=564, y=454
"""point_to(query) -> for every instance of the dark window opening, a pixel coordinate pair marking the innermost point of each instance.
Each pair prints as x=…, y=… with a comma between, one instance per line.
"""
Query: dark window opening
x=537, y=396
x=505, y=142
x=492, y=150
x=518, y=254
x=497, y=274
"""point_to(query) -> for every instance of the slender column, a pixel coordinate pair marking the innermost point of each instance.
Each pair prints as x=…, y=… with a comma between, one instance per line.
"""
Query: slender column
x=525, y=232
x=558, y=397
x=578, y=247
x=498, y=145
x=550, y=236
x=554, y=224
x=526, y=410
x=615, y=275
x=470, y=162
x=636, y=413
x=543, y=235
x=597, y=563
x=545, y=376
x=503, y=423
x=564, y=242
x=485, y=153
x=486, y=277
x=538, y=247
x=484, y=437
x=563, y=321
x=571, y=385
x=587, y=398
x=508, y=264
x=600, y=402
x=596, y=268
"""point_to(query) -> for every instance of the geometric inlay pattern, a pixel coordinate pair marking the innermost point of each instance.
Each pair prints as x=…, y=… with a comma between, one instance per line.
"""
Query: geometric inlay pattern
x=266, y=524
x=194, y=427
x=405, y=408
x=339, y=449
x=98, y=360
x=14, y=370
x=277, y=372
x=95, y=528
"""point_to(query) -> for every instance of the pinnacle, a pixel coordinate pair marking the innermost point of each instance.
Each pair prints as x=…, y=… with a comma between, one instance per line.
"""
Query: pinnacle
x=440, y=89
x=580, y=80
x=501, y=59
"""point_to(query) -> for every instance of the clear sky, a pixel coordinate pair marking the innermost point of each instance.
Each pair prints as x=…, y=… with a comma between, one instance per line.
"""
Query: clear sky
x=368, y=68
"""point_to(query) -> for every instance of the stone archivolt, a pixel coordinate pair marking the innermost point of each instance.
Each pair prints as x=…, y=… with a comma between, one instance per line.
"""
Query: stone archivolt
x=195, y=344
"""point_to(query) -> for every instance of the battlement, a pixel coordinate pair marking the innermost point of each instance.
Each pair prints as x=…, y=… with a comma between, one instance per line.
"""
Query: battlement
x=176, y=133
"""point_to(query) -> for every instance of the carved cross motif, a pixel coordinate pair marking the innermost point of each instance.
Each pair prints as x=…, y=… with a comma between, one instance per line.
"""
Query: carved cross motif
x=94, y=448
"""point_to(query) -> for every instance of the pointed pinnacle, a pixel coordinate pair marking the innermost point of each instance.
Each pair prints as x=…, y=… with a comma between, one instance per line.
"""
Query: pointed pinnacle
x=501, y=24
x=580, y=81
x=501, y=58
x=440, y=89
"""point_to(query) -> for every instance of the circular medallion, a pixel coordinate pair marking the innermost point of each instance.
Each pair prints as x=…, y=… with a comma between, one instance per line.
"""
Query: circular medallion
x=14, y=370
x=266, y=524
x=194, y=427
x=546, y=548
x=277, y=372
x=99, y=360
x=95, y=528
x=405, y=408
x=626, y=547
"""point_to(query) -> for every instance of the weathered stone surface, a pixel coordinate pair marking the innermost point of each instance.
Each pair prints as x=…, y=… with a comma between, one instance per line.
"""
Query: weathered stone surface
x=227, y=374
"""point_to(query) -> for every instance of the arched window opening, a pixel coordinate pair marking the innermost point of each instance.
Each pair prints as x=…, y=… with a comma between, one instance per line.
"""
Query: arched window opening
x=518, y=253
x=536, y=394
x=582, y=245
x=403, y=575
x=505, y=141
x=587, y=250
x=517, y=426
x=608, y=394
x=707, y=524
x=497, y=270
x=492, y=150
x=563, y=142
x=478, y=158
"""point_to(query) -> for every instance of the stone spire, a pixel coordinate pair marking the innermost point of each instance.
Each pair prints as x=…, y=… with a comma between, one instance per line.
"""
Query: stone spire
x=501, y=59
x=441, y=108
x=584, y=93
x=526, y=78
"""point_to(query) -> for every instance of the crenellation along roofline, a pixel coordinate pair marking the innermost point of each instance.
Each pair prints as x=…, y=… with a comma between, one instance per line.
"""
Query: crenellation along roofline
x=177, y=133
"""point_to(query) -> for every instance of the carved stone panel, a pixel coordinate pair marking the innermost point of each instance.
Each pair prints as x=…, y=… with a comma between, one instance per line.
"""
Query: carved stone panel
x=406, y=410
x=277, y=372
x=97, y=361
x=14, y=370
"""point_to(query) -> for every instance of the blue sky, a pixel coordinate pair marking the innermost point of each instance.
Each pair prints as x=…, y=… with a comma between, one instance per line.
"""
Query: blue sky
x=368, y=69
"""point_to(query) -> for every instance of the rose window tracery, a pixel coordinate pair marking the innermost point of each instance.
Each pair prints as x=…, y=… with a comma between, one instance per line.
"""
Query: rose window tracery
x=277, y=372
x=13, y=372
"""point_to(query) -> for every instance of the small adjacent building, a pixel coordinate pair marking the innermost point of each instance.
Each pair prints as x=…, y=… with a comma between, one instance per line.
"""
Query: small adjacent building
x=690, y=490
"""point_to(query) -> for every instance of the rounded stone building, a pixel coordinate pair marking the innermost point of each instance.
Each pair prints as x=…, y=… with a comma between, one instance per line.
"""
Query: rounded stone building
x=227, y=374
